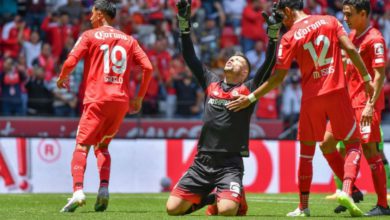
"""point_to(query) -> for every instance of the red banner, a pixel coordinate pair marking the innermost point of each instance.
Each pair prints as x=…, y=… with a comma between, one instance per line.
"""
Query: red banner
x=131, y=128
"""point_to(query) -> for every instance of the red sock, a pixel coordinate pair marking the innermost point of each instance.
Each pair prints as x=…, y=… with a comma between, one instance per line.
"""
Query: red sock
x=305, y=174
x=79, y=163
x=379, y=178
x=336, y=162
x=351, y=166
x=104, y=164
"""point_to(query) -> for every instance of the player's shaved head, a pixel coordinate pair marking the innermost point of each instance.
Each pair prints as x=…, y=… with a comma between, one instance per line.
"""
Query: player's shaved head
x=107, y=7
x=293, y=4
x=359, y=5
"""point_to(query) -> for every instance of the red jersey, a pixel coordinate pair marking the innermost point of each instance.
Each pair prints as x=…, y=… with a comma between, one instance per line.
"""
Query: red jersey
x=314, y=42
x=372, y=49
x=107, y=54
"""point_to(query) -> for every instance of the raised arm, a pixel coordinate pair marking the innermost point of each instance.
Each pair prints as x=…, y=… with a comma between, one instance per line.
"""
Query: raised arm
x=184, y=19
x=274, y=22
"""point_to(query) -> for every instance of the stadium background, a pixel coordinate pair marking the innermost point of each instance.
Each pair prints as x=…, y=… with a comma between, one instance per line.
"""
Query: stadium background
x=38, y=122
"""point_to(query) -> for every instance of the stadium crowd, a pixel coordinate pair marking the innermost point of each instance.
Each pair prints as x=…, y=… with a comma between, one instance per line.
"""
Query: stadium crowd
x=36, y=36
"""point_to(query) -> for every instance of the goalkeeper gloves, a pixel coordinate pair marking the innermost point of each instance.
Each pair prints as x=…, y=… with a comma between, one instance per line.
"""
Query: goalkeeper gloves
x=184, y=16
x=274, y=22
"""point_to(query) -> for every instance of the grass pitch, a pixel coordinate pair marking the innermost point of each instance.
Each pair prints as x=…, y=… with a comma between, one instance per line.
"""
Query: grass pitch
x=152, y=206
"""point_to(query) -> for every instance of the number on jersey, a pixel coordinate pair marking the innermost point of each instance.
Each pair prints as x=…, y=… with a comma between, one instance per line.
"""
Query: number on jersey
x=322, y=60
x=118, y=66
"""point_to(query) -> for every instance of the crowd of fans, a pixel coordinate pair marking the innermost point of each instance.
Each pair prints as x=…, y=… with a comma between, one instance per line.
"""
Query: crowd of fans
x=37, y=35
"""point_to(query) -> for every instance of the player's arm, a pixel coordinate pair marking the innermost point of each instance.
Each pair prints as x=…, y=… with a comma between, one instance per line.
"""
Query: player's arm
x=141, y=59
x=78, y=52
x=353, y=54
x=192, y=61
x=274, y=23
x=244, y=101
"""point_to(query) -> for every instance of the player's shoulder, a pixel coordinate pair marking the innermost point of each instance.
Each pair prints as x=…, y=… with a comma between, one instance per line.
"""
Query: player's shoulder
x=374, y=34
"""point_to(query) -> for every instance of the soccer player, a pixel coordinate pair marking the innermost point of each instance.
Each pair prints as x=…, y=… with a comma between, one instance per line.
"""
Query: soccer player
x=225, y=134
x=372, y=49
x=314, y=41
x=108, y=54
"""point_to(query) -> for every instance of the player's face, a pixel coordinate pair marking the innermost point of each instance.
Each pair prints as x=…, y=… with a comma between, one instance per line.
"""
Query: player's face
x=353, y=18
x=288, y=18
x=96, y=18
x=237, y=67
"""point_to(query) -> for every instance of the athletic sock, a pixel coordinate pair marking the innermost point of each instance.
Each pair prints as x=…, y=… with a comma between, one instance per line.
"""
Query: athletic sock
x=336, y=162
x=104, y=164
x=351, y=167
x=379, y=178
x=79, y=164
x=305, y=174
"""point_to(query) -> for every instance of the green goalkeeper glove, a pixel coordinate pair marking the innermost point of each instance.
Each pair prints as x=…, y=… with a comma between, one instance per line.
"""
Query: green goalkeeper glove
x=184, y=16
x=274, y=22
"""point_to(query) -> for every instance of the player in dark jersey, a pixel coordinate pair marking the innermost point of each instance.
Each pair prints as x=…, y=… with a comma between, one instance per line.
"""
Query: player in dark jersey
x=225, y=134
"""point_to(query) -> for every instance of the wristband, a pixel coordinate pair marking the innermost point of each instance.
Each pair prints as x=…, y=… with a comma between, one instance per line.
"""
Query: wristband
x=367, y=78
x=252, y=98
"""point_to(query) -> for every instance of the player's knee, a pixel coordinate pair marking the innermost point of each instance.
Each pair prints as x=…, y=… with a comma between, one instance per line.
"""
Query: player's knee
x=228, y=209
x=173, y=209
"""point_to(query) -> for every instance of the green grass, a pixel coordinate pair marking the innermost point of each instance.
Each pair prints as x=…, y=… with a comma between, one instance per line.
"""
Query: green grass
x=152, y=206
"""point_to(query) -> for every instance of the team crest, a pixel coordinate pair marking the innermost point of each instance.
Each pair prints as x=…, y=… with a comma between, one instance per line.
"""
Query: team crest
x=379, y=49
x=235, y=93
x=216, y=93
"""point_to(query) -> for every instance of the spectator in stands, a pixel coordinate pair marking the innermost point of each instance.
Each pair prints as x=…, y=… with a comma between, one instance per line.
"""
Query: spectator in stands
x=46, y=61
x=32, y=48
x=39, y=96
x=35, y=13
x=384, y=23
x=267, y=108
x=10, y=33
x=213, y=9
x=209, y=41
x=252, y=20
x=233, y=10
x=73, y=8
x=189, y=95
x=11, y=88
x=57, y=30
x=67, y=48
x=64, y=100
x=291, y=101
x=256, y=57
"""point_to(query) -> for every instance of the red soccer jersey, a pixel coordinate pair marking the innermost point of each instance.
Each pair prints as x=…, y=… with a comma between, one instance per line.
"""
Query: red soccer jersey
x=314, y=42
x=372, y=49
x=108, y=54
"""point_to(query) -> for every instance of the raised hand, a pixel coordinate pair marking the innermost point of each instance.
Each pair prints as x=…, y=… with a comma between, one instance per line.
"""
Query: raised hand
x=184, y=16
x=274, y=22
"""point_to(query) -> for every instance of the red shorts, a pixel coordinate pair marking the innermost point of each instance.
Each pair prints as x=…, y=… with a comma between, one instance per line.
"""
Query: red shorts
x=335, y=107
x=100, y=122
x=368, y=134
x=196, y=198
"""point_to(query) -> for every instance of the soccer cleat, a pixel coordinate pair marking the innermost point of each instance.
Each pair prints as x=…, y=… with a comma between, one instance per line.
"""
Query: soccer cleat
x=377, y=211
x=102, y=199
x=299, y=213
x=78, y=199
x=334, y=195
x=345, y=200
x=357, y=196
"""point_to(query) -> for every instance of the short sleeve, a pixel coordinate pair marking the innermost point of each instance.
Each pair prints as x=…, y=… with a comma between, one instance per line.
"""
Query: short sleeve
x=81, y=47
x=377, y=52
x=286, y=54
x=340, y=29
